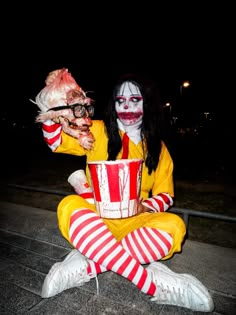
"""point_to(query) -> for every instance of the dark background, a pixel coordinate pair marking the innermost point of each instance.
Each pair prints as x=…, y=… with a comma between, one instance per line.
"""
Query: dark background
x=171, y=42
x=97, y=42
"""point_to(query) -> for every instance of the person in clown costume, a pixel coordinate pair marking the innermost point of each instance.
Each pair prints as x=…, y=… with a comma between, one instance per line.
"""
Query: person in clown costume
x=134, y=246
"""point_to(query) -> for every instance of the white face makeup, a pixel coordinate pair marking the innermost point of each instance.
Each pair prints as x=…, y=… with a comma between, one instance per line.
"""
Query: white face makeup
x=129, y=104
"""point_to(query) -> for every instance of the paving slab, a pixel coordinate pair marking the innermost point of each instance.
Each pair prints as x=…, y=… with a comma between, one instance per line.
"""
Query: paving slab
x=30, y=243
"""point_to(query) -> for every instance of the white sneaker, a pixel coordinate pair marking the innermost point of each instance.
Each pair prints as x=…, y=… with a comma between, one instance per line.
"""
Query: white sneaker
x=179, y=289
x=72, y=272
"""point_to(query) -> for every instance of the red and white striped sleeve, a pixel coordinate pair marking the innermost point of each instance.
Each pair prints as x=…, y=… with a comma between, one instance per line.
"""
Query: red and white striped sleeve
x=159, y=203
x=52, y=134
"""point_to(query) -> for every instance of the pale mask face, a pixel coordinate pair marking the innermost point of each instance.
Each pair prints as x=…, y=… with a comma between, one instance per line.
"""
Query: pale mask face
x=129, y=104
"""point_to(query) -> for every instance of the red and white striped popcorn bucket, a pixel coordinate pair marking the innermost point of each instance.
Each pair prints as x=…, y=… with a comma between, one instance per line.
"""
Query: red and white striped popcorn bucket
x=116, y=186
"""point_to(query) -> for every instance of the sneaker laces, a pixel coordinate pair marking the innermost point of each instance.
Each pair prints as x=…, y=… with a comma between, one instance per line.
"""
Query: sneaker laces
x=91, y=275
x=81, y=277
x=183, y=290
x=170, y=295
x=75, y=278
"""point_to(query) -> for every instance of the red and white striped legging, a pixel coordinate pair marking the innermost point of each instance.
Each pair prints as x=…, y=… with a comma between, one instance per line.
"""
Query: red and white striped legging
x=90, y=235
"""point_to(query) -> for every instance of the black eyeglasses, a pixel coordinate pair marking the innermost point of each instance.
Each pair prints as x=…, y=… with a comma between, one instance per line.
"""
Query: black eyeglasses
x=78, y=110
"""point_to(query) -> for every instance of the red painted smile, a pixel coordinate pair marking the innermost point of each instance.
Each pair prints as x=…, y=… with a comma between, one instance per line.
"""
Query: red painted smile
x=129, y=115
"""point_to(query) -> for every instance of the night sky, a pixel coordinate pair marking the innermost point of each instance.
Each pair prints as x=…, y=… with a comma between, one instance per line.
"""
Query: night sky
x=96, y=47
x=97, y=42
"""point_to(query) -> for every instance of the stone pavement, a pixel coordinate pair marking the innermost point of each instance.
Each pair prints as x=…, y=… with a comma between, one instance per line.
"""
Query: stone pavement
x=31, y=243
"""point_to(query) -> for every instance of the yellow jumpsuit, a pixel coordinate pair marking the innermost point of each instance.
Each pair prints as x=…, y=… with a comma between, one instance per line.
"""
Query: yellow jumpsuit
x=159, y=181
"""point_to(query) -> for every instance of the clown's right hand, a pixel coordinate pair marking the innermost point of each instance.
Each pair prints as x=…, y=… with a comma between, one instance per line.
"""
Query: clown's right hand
x=52, y=132
x=86, y=140
x=85, y=137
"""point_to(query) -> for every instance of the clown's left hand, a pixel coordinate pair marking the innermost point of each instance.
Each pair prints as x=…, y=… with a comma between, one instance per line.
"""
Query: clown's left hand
x=142, y=208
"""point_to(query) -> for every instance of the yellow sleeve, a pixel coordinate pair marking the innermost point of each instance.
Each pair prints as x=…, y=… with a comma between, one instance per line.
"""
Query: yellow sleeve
x=70, y=145
x=163, y=177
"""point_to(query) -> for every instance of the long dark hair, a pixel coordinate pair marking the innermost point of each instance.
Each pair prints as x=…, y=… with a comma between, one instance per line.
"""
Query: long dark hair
x=151, y=124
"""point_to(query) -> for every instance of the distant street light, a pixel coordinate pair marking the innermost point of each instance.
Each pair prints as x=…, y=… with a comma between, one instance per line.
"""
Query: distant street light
x=184, y=85
x=168, y=105
x=174, y=119
x=206, y=114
